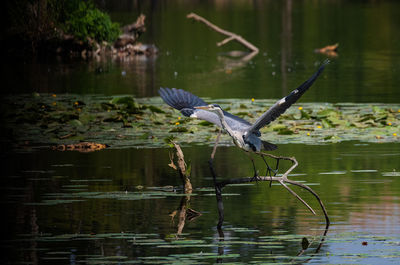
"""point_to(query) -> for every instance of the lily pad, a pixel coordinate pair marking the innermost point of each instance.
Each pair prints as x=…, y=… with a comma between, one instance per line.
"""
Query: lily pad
x=124, y=121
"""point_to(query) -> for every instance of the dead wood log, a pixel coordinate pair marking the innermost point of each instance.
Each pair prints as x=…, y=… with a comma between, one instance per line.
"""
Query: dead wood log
x=131, y=32
x=83, y=147
x=183, y=212
x=181, y=168
x=230, y=35
x=137, y=26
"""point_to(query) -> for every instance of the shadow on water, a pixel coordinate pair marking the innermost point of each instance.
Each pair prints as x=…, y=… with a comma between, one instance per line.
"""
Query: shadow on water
x=115, y=206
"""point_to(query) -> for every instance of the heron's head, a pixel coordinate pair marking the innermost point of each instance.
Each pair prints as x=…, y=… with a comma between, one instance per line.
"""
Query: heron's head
x=211, y=107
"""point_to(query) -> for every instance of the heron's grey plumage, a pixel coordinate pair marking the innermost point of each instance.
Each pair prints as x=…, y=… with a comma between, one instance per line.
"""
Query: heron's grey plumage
x=185, y=102
x=244, y=134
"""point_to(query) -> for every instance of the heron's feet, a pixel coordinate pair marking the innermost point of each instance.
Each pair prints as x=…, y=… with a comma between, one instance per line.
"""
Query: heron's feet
x=255, y=177
x=271, y=172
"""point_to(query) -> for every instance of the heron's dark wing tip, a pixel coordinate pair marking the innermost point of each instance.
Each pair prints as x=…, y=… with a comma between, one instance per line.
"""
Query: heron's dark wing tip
x=282, y=105
x=322, y=67
x=326, y=61
x=180, y=99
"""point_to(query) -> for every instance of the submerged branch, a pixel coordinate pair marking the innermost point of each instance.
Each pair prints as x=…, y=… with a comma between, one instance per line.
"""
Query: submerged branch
x=183, y=211
x=315, y=195
x=297, y=196
x=182, y=168
x=283, y=180
x=230, y=35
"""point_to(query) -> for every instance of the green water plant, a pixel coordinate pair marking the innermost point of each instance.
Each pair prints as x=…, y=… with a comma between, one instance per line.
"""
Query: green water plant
x=125, y=121
x=85, y=20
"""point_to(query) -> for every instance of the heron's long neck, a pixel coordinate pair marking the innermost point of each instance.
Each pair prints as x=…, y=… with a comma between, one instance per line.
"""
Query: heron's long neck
x=224, y=124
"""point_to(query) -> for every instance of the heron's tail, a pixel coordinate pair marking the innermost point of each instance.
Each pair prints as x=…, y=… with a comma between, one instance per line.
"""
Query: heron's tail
x=268, y=146
x=180, y=99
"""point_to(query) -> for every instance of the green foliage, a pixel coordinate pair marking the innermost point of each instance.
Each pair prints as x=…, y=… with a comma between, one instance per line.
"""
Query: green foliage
x=127, y=104
x=85, y=20
x=33, y=24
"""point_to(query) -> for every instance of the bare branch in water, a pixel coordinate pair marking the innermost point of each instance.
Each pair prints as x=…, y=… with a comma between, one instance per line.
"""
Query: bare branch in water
x=182, y=168
x=183, y=211
x=230, y=35
x=283, y=180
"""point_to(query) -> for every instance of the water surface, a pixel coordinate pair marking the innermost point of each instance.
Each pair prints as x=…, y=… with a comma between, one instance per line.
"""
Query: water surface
x=116, y=205
x=72, y=207
x=286, y=32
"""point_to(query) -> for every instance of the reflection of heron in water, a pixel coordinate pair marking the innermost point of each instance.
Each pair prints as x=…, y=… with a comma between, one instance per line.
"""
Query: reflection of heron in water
x=244, y=134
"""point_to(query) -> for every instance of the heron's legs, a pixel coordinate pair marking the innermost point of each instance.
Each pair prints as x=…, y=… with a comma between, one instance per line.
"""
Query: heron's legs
x=269, y=169
x=254, y=167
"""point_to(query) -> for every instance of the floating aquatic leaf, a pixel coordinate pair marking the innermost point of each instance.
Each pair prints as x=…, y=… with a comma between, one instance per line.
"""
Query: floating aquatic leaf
x=154, y=109
x=188, y=242
x=272, y=246
x=333, y=173
x=53, y=202
x=90, y=180
x=140, y=122
x=282, y=237
x=205, y=123
x=129, y=102
x=206, y=189
x=285, y=131
x=58, y=253
x=363, y=170
x=179, y=129
x=325, y=113
x=75, y=186
x=242, y=229
x=278, y=127
x=111, y=258
x=391, y=174
x=223, y=194
x=204, y=255
x=304, y=115
x=148, y=242
x=240, y=184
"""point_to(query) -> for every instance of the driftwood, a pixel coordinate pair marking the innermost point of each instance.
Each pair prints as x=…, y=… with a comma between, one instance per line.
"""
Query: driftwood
x=131, y=32
x=83, y=147
x=230, y=35
x=283, y=180
x=136, y=27
x=183, y=211
x=181, y=168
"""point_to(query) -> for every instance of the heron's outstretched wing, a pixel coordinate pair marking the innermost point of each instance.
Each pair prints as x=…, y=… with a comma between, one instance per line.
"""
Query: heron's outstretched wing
x=180, y=99
x=185, y=102
x=282, y=105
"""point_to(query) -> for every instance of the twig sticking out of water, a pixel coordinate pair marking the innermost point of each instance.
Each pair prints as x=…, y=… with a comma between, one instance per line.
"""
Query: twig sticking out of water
x=182, y=167
x=230, y=35
x=183, y=211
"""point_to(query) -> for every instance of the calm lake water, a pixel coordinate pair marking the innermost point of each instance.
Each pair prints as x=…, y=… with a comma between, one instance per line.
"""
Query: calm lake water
x=286, y=32
x=116, y=206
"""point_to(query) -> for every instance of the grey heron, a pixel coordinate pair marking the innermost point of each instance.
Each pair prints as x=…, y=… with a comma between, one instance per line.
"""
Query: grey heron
x=244, y=134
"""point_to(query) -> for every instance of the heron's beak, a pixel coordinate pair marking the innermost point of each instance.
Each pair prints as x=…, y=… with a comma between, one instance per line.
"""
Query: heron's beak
x=202, y=107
